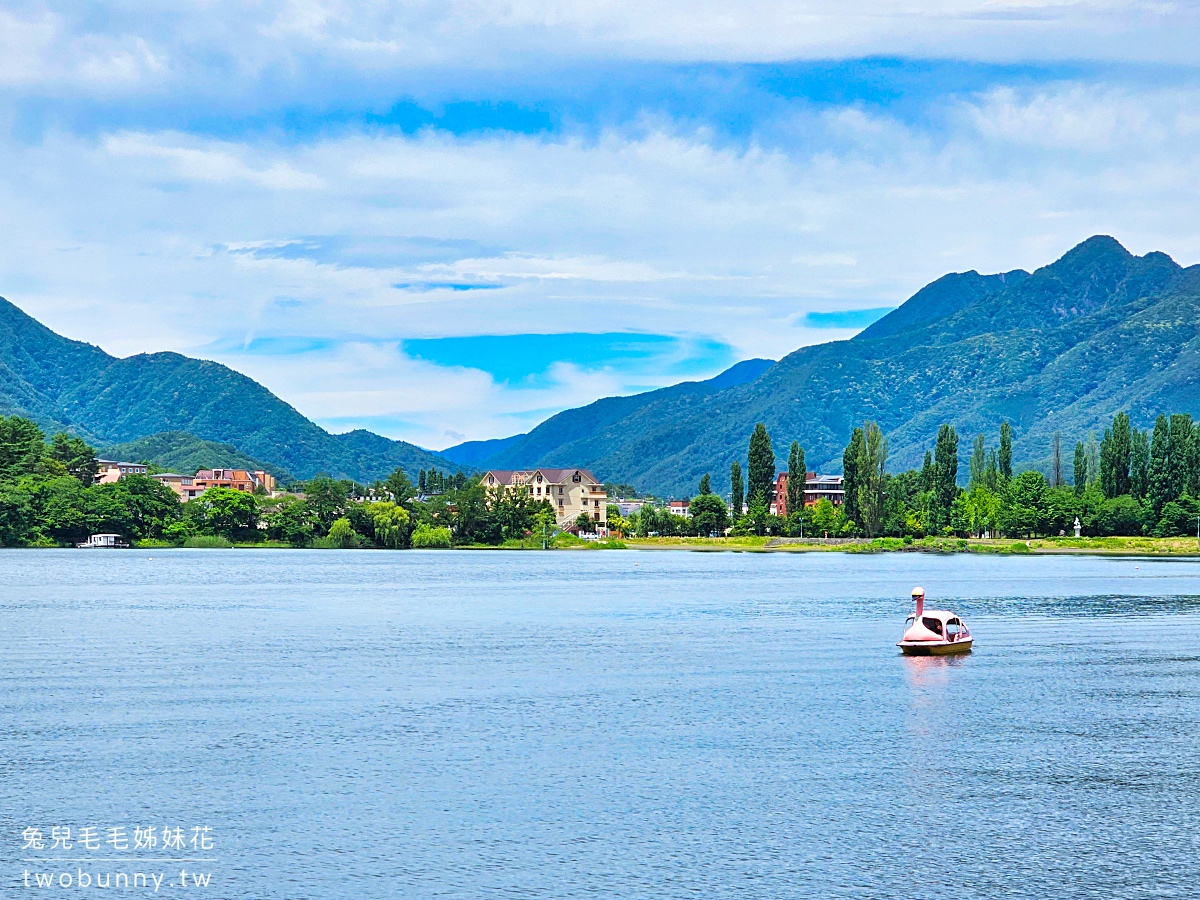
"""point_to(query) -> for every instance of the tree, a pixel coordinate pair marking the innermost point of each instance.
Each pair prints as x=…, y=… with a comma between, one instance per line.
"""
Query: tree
x=1179, y=455
x=76, y=455
x=1080, y=475
x=421, y=485
x=1023, y=515
x=1139, y=464
x=1005, y=456
x=978, y=463
x=708, y=514
x=289, y=520
x=1114, y=457
x=391, y=523
x=850, y=457
x=326, y=501
x=227, y=512
x=150, y=505
x=737, y=501
x=872, y=461
x=1158, y=477
x=583, y=522
x=705, y=484
x=945, y=476
x=760, y=470
x=342, y=535
x=22, y=445
x=927, y=472
x=1056, y=462
x=428, y=537
x=400, y=487
x=797, y=477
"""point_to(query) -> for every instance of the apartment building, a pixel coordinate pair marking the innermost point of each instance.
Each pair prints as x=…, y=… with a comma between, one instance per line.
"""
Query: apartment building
x=112, y=470
x=816, y=487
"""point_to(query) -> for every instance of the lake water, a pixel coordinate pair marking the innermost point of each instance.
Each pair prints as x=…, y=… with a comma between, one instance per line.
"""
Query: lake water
x=612, y=724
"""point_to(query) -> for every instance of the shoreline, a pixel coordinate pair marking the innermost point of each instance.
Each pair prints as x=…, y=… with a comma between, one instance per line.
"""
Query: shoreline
x=1150, y=547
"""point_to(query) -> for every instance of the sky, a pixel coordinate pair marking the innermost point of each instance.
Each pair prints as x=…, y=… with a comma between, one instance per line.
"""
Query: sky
x=447, y=221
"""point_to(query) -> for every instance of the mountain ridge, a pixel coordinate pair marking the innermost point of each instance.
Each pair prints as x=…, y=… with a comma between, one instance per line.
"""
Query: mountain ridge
x=74, y=386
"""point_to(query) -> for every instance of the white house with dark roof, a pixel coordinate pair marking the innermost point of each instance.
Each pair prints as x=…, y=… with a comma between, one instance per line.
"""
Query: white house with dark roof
x=570, y=492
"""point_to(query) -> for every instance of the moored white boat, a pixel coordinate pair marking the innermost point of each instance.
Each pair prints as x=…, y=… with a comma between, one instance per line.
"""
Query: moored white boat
x=934, y=632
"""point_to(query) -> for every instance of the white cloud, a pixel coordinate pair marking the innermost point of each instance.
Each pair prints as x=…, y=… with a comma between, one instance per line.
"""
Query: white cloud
x=141, y=240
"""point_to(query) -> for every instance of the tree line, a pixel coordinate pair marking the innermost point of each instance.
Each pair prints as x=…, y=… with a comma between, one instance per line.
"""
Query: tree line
x=49, y=497
x=1128, y=483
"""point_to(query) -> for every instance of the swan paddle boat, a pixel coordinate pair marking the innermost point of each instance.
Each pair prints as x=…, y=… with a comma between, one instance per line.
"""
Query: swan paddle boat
x=933, y=632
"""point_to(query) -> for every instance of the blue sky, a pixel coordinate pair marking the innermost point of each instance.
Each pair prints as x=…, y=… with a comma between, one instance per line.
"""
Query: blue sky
x=447, y=221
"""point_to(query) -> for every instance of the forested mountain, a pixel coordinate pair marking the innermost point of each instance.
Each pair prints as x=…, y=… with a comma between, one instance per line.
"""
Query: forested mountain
x=1058, y=350
x=69, y=385
x=570, y=431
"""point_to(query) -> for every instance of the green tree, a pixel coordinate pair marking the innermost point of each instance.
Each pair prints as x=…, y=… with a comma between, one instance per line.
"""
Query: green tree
x=827, y=520
x=1080, y=476
x=737, y=501
x=705, y=484
x=326, y=501
x=391, y=523
x=22, y=445
x=1158, y=477
x=399, y=487
x=228, y=513
x=76, y=455
x=290, y=520
x=151, y=505
x=1139, y=464
x=978, y=463
x=850, y=457
x=927, y=472
x=1023, y=514
x=708, y=514
x=16, y=515
x=945, y=476
x=797, y=477
x=1179, y=455
x=1114, y=457
x=428, y=537
x=1005, y=455
x=757, y=514
x=342, y=535
x=760, y=470
x=872, y=460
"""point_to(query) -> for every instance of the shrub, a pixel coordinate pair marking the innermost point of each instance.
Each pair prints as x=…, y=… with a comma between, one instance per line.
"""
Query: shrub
x=426, y=537
x=207, y=542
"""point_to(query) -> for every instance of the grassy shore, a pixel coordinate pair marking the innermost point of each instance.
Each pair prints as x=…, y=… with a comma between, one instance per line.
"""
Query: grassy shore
x=1110, y=546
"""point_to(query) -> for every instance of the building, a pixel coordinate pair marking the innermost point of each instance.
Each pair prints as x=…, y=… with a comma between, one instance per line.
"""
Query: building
x=235, y=479
x=679, y=507
x=183, y=485
x=816, y=487
x=112, y=471
x=629, y=507
x=570, y=492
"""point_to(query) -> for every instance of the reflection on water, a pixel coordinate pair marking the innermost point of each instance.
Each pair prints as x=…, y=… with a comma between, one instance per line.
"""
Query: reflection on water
x=612, y=724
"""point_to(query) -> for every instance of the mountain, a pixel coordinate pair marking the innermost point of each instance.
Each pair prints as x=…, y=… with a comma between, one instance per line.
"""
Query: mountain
x=473, y=453
x=179, y=451
x=567, y=434
x=508, y=452
x=1059, y=350
x=69, y=385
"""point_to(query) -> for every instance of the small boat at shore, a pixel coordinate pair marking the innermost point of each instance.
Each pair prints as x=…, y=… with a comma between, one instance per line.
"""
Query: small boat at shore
x=933, y=632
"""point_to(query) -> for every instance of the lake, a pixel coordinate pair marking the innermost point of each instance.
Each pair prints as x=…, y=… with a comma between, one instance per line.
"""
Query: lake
x=597, y=724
